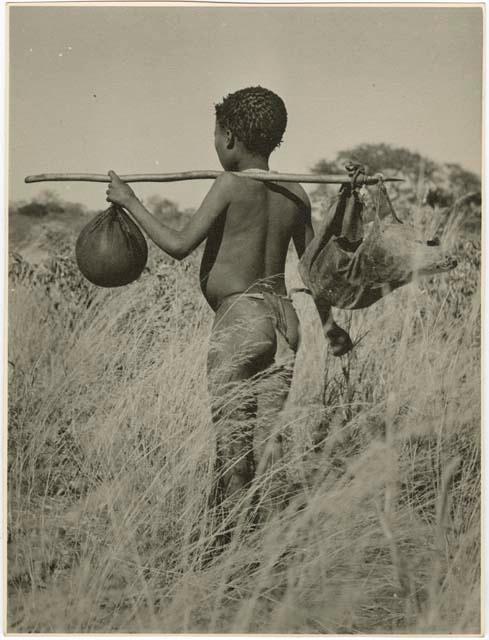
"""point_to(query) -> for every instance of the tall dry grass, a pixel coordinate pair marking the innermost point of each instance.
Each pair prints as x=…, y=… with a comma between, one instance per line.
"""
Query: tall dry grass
x=111, y=453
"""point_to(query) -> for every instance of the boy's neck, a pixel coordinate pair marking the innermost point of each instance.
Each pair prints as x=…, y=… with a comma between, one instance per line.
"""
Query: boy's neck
x=252, y=162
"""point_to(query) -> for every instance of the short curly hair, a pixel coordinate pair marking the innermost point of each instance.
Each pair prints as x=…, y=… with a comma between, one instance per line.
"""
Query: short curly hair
x=256, y=116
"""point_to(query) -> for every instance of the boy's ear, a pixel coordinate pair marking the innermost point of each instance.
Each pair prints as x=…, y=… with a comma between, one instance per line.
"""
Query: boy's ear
x=230, y=139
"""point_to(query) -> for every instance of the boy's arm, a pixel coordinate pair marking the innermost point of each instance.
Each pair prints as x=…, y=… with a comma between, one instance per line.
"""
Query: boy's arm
x=304, y=232
x=177, y=244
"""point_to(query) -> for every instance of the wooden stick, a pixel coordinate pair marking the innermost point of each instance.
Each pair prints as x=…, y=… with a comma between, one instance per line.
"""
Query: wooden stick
x=204, y=175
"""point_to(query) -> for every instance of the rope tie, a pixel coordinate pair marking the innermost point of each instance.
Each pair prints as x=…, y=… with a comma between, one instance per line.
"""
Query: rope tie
x=382, y=191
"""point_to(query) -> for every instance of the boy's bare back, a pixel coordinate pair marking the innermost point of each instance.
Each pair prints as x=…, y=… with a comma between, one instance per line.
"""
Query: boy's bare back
x=247, y=245
x=247, y=224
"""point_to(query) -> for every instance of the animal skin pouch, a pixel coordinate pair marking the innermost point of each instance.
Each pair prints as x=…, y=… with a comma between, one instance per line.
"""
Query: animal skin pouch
x=111, y=251
x=351, y=264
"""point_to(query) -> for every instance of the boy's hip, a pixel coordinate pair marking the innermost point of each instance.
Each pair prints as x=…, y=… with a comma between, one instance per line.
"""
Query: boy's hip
x=246, y=310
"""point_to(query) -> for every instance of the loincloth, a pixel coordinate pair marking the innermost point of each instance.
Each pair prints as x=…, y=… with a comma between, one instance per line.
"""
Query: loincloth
x=279, y=309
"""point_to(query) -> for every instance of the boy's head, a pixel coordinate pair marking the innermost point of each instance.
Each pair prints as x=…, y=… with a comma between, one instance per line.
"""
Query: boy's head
x=255, y=116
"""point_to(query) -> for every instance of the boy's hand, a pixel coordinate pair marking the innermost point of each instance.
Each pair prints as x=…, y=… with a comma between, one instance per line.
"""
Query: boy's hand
x=119, y=192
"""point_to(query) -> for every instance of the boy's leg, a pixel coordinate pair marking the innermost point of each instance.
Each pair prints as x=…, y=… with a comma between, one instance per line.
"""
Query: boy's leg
x=274, y=391
x=242, y=345
x=233, y=408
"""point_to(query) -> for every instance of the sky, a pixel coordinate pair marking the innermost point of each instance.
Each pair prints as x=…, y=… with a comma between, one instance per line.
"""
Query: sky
x=133, y=88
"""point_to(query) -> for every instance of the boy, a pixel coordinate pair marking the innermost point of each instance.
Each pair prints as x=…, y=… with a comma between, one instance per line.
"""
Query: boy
x=248, y=225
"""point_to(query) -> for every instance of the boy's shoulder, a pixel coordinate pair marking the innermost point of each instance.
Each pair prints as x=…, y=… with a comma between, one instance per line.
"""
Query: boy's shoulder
x=233, y=184
x=230, y=184
x=296, y=193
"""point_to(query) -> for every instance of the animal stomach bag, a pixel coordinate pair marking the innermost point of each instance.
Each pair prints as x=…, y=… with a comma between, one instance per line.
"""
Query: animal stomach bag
x=351, y=264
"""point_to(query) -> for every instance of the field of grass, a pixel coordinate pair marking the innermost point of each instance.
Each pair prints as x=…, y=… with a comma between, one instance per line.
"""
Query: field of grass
x=111, y=455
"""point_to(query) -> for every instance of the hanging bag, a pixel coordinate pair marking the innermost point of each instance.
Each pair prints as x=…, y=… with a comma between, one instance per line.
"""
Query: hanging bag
x=111, y=251
x=351, y=264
